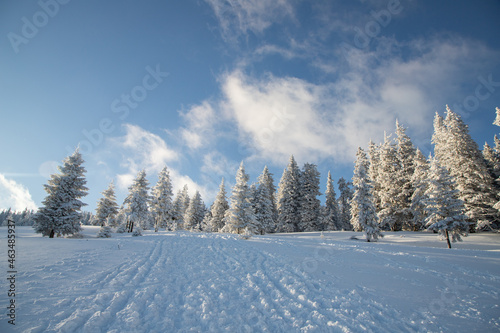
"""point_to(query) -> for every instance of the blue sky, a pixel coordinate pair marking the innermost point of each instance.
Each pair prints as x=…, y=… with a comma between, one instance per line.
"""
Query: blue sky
x=200, y=86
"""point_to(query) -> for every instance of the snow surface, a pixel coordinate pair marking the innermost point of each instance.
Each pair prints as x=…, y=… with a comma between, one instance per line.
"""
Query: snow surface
x=199, y=282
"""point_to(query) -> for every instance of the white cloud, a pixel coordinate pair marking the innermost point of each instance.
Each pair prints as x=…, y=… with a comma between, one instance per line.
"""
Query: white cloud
x=237, y=17
x=141, y=150
x=277, y=116
x=14, y=195
x=200, y=120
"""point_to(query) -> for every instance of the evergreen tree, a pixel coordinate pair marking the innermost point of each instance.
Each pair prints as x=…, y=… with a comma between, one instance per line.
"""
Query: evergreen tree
x=373, y=172
x=266, y=179
x=363, y=215
x=331, y=210
x=445, y=209
x=460, y=155
x=161, y=200
x=219, y=208
x=497, y=118
x=136, y=203
x=60, y=213
x=195, y=213
x=107, y=208
x=185, y=199
x=405, y=151
x=263, y=208
x=289, y=198
x=178, y=212
x=240, y=218
x=418, y=197
x=492, y=159
x=310, y=213
x=345, y=197
x=390, y=187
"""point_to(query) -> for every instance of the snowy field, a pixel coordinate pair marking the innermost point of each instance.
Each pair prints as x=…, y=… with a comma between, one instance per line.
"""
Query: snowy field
x=197, y=282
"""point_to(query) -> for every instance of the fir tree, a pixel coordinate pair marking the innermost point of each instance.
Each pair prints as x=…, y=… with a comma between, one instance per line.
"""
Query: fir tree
x=266, y=179
x=497, y=118
x=344, y=201
x=309, y=204
x=219, y=208
x=405, y=152
x=195, y=213
x=136, y=203
x=445, y=209
x=263, y=208
x=161, y=200
x=363, y=215
x=60, y=213
x=331, y=210
x=373, y=172
x=178, y=212
x=492, y=159
x=390, y=187
x=240, y=218
x=418, y=197
x=289, y=198
x=107, y=208
x=460, y=155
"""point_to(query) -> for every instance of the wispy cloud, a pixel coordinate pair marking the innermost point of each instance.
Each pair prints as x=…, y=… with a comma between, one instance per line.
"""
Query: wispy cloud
x=140, y=149
x=198, y=131
x=14, y=195
x=239, y=17
x=279, y=116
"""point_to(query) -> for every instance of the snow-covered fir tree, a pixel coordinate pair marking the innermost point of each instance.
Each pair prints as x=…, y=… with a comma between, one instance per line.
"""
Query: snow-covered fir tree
x=121, y=220
x=373, y=172
x=418, y=197
x=289, y=198
x=390, y=187
x=205, y=224
x=185, y=199
x=497, y=118
x=460, y=155
x=60, y=213
x=266, y=179
x=195, y=213
x=363, y=215
x=263, y=208
x=345, y=196
x=492, y=159
x=107, y=208
x=161, y=200
x=136, y=203
x=240, y=218
x=405, y=152
x=218, y=210
x=331, y=209
x=177, y=212
x=310, y=206
x=445, y=209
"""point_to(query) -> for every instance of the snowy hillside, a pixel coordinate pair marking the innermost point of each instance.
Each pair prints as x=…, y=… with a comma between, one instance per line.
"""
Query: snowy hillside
x=202, y=282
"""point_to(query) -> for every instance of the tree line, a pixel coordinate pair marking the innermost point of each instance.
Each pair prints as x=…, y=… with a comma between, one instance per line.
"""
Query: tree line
x=394, y=187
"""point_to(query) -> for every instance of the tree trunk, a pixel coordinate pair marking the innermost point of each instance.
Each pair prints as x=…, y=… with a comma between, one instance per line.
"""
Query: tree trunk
x=51, y=235
x=448, y=239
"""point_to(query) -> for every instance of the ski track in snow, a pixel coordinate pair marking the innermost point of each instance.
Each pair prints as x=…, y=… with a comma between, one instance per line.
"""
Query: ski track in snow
x=197, y=282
